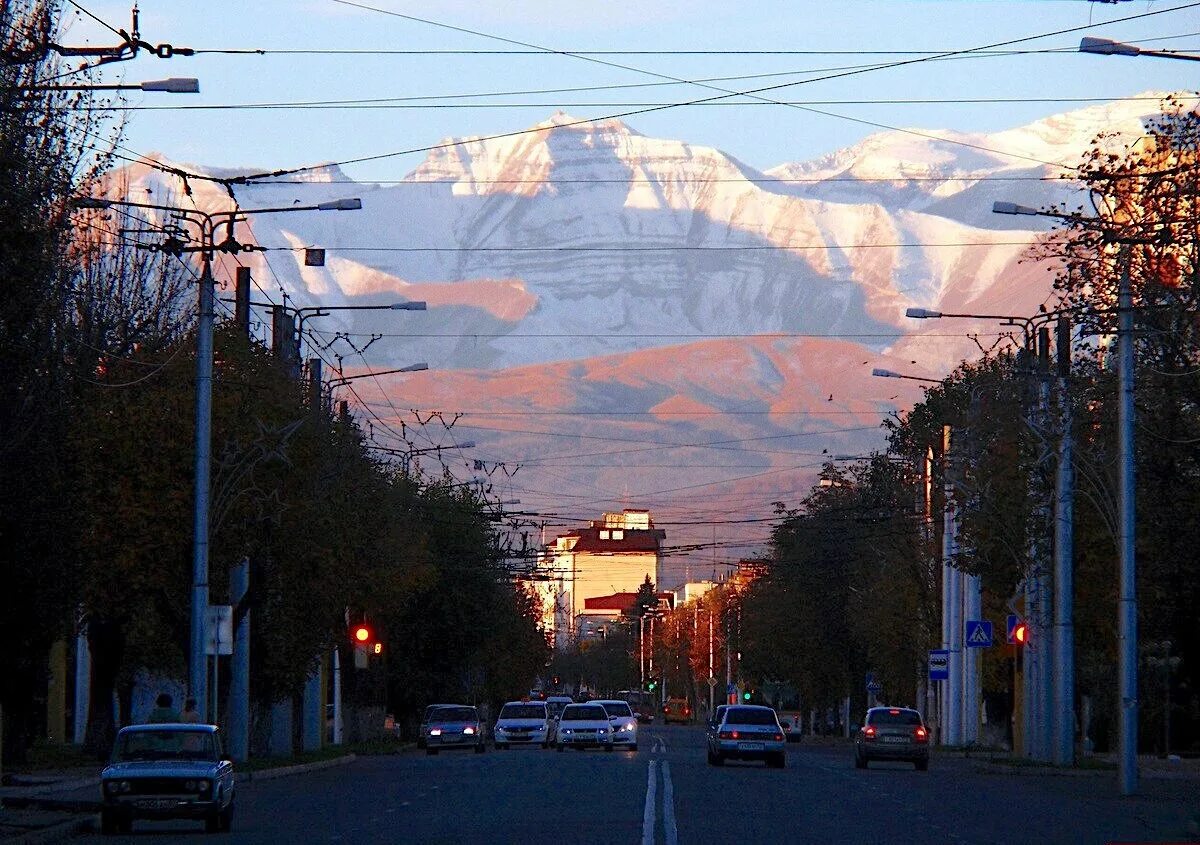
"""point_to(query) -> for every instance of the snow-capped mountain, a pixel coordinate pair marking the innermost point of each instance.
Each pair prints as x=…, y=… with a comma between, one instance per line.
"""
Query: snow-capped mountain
x=601, y=286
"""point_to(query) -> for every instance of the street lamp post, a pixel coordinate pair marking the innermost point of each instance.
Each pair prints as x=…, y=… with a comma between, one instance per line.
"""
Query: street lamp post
x=206, y=227
x=1105, y=47
x=1127, y=655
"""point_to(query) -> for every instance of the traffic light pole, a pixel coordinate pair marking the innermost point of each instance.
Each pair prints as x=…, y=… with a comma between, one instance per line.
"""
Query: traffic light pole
x=197, y=666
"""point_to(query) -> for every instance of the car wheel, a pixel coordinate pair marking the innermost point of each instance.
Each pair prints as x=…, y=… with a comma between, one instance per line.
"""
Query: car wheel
x=608, y=748
x=717, y=759
x=227, y=818
x=212, y=823
x=777, y=761
x=559, y=748
x=432, y=752
x=108, y=822
x=125, y=824
x=922, y=765
x=420, y=743
x=860, y=761
x=633, y=748
x=479, y=749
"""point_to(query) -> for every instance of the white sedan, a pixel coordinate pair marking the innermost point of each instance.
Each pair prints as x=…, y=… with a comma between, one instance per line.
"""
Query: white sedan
x=522, y=723
x=623, y=722
x=584, y=726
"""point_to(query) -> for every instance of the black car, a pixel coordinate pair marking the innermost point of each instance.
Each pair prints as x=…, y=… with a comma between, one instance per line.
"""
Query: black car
x=892, y=733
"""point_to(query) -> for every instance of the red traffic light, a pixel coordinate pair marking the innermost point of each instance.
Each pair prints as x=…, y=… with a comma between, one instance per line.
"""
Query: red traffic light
x=1021, y=633
x=361, y=634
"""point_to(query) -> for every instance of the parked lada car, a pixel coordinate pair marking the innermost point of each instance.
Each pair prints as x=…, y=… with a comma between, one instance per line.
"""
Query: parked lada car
x=167, y=771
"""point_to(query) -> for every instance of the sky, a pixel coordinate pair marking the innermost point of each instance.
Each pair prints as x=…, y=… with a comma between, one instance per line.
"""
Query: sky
x=319, y=52
x=397, y=57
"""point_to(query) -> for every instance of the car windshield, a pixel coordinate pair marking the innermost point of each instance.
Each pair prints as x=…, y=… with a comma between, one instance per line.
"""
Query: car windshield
x=455, y=714
x=893, y=717
x=749, y=716
x=583, y=714
x=165, y=745
x=523, y=711
x=617, y=708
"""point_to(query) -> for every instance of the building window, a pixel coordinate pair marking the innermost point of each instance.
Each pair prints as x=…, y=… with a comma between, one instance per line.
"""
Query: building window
x=603, y=534
x=618, y=534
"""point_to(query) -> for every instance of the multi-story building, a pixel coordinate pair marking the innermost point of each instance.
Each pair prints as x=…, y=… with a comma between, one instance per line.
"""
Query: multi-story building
x=612, y=555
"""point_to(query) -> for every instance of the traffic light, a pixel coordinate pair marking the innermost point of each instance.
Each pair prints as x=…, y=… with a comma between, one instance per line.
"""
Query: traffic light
x=1020, y=634
x=746, y=695
x=652, y=685
x=361, y=633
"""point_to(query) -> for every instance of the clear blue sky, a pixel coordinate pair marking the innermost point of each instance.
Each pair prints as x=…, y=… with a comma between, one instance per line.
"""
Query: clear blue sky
x=760, y=135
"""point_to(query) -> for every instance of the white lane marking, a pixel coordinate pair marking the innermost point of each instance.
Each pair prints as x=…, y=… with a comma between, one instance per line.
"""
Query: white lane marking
x=660, y=746
x=648, y=812
x=670, y=830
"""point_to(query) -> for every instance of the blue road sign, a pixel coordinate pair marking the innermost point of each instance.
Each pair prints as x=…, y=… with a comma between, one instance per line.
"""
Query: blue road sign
x=1012, y=623
x=939, y=665
x=979, y=633
x=874, y=686
x=731, y=689
x=870, y=679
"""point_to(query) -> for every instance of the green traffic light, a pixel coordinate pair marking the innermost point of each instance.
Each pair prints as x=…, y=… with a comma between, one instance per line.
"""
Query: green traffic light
x=746, y=695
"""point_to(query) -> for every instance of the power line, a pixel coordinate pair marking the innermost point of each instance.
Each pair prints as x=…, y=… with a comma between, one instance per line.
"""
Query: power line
x=643, y=249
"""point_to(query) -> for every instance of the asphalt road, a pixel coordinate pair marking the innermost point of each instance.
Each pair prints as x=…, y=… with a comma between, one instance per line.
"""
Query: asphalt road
x=667, y=794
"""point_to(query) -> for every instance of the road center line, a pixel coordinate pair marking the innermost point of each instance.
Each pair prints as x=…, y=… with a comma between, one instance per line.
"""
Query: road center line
x=670, y=830
x=648, y=812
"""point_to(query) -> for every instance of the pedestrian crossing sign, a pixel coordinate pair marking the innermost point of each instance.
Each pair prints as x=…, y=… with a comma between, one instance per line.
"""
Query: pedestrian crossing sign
x=979, y=633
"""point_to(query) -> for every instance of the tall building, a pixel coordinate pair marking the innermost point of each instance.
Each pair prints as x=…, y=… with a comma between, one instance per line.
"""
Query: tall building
x=611, y=555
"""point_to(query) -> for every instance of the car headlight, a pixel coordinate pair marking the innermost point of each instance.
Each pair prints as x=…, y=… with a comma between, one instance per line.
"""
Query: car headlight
x=189, y=786
x=111, y=786
x=126, y=786
x=602, y=731
x=566, y=730
x=500, y=730
x=203, y=785
x=435, y=731
x=468, y=731
x=629, y=726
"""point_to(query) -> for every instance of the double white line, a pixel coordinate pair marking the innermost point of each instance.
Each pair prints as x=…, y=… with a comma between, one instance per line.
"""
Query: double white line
x=670, y=830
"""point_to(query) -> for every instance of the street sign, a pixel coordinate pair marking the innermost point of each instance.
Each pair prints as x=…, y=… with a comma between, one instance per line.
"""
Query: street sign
x=939, y=665
x=218, y=629
x=870, y=678
x=874, y=687
x=712, y=682
x=731, y=689
x=979, y=633
x=1011, y=624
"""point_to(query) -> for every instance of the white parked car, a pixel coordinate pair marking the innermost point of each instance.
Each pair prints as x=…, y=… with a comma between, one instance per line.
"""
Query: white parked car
x=623, y=721
x=522, y=723
x=584, y=726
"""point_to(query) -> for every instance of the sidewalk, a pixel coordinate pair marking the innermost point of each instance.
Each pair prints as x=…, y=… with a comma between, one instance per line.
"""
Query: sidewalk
x=50, y=806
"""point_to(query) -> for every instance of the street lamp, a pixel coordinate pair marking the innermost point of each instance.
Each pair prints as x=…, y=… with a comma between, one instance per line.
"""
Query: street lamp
x=881, y=373
x=173, y=85
x=206, y=227
x=1127, y=555
x=1106, y=47
x=411, y=368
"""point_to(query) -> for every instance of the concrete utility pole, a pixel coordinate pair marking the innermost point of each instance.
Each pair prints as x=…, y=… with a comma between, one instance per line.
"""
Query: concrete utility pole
x=239, y=683
x=952, y=593
x=1127, y=600
x=1064, y=551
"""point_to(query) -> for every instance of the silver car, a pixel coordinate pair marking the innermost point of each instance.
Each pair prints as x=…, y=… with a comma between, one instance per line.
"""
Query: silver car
x=167, y=771
x=892, y=733
x=746, y=732
x=522, y=723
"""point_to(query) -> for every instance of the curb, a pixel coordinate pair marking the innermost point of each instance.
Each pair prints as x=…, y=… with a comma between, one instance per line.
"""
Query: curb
x=299, y=769
x=54, y=833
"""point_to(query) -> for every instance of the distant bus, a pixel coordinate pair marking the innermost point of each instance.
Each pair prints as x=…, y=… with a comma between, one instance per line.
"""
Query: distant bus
x=642, y=703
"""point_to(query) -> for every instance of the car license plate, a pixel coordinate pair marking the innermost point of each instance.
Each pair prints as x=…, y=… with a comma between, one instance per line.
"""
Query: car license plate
x=750, y=746
x=156, y=803
x=896, y=739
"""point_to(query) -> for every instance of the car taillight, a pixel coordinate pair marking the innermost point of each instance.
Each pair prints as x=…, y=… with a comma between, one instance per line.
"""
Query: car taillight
x=728, y=735
x=922, y=736
x=778, y=737
x=666, y=709
x=869, y=731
